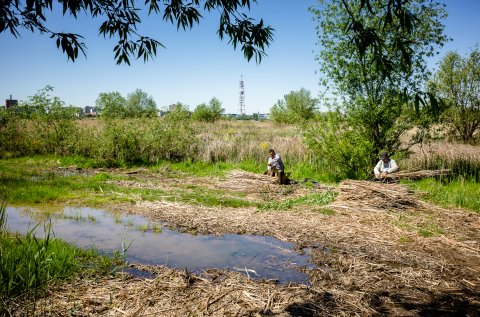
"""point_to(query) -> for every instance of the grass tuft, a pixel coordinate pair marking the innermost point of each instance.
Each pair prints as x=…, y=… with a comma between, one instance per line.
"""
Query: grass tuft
x=458, y=193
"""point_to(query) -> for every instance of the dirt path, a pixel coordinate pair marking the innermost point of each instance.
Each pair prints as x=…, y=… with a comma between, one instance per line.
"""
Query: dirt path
x=381, y=252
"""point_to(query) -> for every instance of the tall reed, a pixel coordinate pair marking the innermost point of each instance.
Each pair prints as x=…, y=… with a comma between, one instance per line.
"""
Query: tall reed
x=29, y=265
x=462, y=159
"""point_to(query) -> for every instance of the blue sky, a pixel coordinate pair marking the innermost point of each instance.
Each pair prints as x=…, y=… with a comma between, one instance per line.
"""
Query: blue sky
x=196, y=65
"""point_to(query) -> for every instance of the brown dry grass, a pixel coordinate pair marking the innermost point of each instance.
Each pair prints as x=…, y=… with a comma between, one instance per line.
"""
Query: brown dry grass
x=227, y=141
x=424, y=154
x=175, y=293
x=241, y=140
x=372, y=256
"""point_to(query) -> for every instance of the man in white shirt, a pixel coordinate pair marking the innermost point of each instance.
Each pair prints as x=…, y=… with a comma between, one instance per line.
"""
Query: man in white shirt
x=275, y=164
x=385, y=166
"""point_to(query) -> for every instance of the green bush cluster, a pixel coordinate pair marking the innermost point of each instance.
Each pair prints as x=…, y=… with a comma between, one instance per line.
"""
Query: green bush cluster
x=341, y=151
x=109, y=142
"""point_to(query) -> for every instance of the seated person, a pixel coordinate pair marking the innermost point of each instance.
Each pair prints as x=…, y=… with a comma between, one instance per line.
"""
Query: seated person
x=275, y=166
x=385, y=166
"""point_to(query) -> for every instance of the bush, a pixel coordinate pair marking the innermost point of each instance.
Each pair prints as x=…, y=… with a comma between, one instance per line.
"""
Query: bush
x=341, y=151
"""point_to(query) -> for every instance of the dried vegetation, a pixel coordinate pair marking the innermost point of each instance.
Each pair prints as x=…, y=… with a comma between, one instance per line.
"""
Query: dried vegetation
x=382, y=252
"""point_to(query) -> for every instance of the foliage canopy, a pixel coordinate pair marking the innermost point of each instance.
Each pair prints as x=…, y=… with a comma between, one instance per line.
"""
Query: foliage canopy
x=375, y=80
x=122, y=17
x=208, y=113
x=457, y=82
x=137, y=104
x=296, y=107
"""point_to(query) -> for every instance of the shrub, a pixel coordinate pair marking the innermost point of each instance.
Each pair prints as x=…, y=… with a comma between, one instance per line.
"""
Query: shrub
x=341, y=151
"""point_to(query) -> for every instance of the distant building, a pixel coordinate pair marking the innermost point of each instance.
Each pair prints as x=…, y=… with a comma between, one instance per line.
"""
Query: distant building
x=263, y=116
x=90, y=111
x=9, y=103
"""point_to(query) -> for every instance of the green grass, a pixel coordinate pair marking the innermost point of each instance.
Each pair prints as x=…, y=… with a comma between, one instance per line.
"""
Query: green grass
x=316, y=199
x=456, y=193
x=253, y=166
x=422, y=224
x=37, y=180
x=198, y=169
x=303, y=170
x=52, y=188
x=30, y=181
x=79, y=162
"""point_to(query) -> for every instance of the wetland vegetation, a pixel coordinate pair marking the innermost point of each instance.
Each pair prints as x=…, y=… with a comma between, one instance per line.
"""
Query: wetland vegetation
x=409, y=248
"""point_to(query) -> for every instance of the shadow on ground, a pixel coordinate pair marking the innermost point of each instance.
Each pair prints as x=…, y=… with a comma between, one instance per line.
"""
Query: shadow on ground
x=462, y=302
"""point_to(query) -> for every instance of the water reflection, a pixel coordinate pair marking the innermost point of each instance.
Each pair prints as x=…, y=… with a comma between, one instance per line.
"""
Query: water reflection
x=258, y=256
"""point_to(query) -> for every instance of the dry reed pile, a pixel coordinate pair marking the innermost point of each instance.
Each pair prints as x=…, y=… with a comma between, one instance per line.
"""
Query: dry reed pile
x=419, y=174
x=245, y=182
x=371, y=196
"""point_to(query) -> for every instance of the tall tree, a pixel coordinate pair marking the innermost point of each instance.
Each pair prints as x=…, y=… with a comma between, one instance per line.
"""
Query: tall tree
x=216, y=109
x=457, y=82
x=122, y=17
x=53, y=121
x=297, y=107
x=140, y=104
x=111, y=104
x=208, y=113
x=374, y=90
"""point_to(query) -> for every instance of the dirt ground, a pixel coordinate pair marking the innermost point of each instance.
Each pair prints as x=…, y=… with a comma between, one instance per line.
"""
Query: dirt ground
x=380, y=250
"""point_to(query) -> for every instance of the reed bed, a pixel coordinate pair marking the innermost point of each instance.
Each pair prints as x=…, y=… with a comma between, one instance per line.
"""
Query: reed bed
x=150, y=140
x=443, y=155
x=231, y=141
x=446, y=149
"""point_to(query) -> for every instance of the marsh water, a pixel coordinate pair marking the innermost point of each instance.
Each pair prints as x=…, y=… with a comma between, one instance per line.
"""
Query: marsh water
x=260, y=257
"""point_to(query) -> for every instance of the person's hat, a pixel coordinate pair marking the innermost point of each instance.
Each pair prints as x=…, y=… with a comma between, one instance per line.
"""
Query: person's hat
x=384, y=155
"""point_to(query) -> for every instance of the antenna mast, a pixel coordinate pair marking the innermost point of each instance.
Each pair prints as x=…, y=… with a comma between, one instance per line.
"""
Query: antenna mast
x=241, y=102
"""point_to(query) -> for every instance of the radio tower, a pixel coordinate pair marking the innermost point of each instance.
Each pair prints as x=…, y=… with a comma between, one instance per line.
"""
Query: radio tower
x=241, y=101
